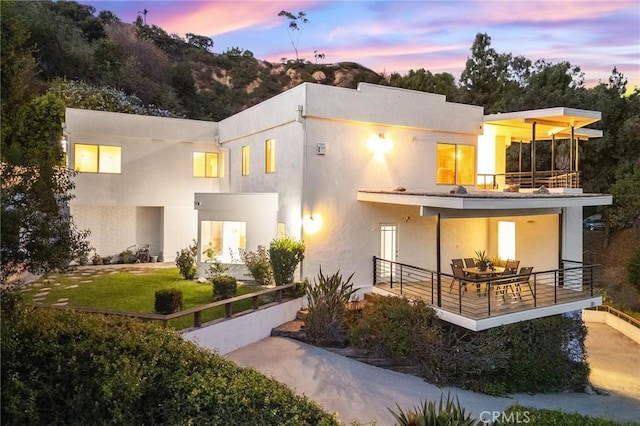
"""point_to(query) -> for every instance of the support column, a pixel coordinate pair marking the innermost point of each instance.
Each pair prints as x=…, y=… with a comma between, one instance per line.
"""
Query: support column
x=571, y=149
x=438, y=258
x=533, y=154
x=553, y=152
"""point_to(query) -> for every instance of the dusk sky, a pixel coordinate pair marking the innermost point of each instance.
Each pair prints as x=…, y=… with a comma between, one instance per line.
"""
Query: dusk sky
x=396, y=36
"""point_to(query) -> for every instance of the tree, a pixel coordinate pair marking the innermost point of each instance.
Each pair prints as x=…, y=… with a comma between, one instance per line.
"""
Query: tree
x=199, y=41
x=626, y=200
x=491, y=78
x=294, y=29
x=37, y=232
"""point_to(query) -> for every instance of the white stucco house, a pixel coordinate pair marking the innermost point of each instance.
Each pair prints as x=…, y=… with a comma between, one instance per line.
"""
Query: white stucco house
x=363, y=177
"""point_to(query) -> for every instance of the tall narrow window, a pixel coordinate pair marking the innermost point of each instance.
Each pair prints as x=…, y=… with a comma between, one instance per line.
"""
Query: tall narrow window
x=205, y=164
x=506, y=240
x=455, y=164
x=98, y=158
x=388, y=248
x=221, y=164
x=270, y=156
x=245, y=160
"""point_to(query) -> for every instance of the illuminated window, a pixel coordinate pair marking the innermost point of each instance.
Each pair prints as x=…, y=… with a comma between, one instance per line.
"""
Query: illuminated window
x=455, y=164
x=206, y=164
x=245, y=160
x=98, y=158
x=225, y=241
x=221, y=164
x=506, y=240
x=270, y=156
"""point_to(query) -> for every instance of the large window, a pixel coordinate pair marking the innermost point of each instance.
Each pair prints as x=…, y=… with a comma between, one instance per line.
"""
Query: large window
x=225, y=241
x=456, y=164
x=208, y=164
x=97, y=158
x=270, y=156
x=245, y=160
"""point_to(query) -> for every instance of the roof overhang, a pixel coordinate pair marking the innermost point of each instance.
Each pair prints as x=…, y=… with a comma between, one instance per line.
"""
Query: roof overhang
x=484, y=203
x=558, y=121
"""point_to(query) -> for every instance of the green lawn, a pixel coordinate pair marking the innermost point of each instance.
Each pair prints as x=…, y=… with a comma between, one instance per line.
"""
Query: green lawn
x=130, y=290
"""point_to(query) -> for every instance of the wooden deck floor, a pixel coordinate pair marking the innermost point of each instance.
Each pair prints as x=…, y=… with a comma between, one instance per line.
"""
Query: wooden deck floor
x=478, y=305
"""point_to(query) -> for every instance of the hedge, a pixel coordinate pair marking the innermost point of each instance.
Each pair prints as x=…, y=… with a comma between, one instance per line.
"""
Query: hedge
x=69, y=368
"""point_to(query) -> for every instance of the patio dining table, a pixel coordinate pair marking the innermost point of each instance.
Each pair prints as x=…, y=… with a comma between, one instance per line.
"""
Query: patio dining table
x=478, y=274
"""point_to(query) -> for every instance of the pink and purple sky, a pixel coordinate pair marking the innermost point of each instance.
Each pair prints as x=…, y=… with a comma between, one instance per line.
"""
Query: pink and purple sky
x=396, y=36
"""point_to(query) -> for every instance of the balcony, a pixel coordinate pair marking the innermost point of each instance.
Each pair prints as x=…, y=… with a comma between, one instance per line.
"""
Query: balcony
x=479, y=304
x=549, y=178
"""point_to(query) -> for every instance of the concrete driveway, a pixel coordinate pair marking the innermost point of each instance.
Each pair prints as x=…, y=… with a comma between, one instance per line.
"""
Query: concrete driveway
x=357, y=391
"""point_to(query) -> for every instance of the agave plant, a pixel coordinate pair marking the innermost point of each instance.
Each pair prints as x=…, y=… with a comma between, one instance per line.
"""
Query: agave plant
x=447, y=413
x=327, y=298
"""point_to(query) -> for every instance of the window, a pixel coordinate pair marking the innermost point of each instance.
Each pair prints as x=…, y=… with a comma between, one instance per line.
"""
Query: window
x=207, y=164
x=270, y=156
x=456, y=164
x=97, y=158
x=225, y=241
x=245, y=160
x=506, y=240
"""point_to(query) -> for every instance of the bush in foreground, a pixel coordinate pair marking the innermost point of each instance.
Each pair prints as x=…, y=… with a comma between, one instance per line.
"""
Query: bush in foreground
x=77, y=369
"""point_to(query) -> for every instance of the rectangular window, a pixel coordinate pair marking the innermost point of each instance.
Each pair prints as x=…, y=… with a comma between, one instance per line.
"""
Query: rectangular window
x=98, y=158
x=455, y=164
x=245, y=160
x=270, y=156
x=205, y=164
x=225, y=241
x=221, y=164
x=506, y=240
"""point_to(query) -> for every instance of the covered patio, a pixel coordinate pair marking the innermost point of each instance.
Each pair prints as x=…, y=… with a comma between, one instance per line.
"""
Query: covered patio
x=548, y=237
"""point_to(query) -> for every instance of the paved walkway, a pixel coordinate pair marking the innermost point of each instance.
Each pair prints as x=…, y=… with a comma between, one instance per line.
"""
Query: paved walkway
x=358, y=391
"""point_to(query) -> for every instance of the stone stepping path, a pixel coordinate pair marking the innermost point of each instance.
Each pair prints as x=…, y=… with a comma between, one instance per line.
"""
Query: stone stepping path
x=41, y=295
x=85, y=281
x=64, y=299
x=59, y=304
x=72, y=286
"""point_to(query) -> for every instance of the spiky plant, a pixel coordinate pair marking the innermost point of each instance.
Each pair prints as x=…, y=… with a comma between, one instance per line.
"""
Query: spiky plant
x=447, y=413
x=327, y=298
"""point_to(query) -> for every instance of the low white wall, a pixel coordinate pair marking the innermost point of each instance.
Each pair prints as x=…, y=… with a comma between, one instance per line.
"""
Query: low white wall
x=227, y=336
x=612, y=321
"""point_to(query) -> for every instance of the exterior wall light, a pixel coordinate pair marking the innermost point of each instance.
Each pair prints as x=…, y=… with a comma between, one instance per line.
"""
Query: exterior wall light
x=312, y=223
x=379, y=144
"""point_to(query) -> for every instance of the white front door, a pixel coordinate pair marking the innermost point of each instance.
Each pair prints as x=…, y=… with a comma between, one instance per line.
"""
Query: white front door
x=388, y=246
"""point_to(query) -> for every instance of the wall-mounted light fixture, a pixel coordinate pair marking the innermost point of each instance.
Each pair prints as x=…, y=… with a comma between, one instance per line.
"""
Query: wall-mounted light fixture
x=379, y=144
x=312, y=223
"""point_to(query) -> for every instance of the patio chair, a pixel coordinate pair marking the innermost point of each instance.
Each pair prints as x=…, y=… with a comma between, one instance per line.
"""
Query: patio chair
x=523, y=278
x=458, y=262
x=458, y=273
x=469, y=262
x=511, y=267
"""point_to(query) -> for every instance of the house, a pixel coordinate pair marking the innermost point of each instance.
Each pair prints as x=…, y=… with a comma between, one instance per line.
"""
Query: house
x=364, y=177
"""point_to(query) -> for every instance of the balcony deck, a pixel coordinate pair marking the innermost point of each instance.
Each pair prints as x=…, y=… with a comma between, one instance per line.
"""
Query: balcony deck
x=481, y=304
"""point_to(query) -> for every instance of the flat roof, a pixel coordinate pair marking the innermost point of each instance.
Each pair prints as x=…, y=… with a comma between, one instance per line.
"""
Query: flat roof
x=557, y=121
x=483, y=200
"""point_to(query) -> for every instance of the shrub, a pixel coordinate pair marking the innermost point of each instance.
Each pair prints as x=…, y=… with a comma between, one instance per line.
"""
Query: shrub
x=216, y=268
x=448, y=412
x=127, y=256
x=633, y=268
x=186, y=261
x=395, y=327
x=327, y=299
x=96, y=259
x=224, y=287
x=518, y=414
x=259, y=266
x=81, y=369
x=298, y=290
x=284, y=255
x=106, y=260
x=168, y=301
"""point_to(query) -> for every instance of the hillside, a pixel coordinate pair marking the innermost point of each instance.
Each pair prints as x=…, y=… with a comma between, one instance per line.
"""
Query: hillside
x=613, y=253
